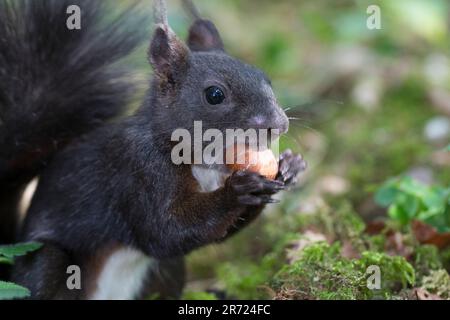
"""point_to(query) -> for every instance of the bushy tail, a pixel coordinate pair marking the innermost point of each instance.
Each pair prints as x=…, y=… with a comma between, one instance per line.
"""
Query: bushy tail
x=57, y=84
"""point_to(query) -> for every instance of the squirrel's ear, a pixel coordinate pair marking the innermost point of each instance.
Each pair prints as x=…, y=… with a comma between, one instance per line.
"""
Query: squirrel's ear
x=203, y=36
x=167, y=54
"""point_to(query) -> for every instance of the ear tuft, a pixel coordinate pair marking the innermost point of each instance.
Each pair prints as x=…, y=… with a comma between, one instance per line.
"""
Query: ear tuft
x=167, y=54
x=204, y=36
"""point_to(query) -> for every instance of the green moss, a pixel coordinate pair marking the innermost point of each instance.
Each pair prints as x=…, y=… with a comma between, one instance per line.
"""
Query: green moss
x=426, y=259
x=198, y=296
x=438, y=282
x=247, y=280
x=318, y=274
x=445, y=258
x=395, y=270
x=375, y=243
x=322, y=273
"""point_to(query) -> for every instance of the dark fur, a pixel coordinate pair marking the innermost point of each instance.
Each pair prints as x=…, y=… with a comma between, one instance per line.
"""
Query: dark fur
x=55, y=84
x=117, y=184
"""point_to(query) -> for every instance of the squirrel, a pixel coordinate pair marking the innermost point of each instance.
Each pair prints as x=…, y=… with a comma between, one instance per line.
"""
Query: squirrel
x=109, y=198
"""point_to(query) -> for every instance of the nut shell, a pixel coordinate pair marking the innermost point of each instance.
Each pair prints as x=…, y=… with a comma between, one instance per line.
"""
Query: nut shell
x=262, y=162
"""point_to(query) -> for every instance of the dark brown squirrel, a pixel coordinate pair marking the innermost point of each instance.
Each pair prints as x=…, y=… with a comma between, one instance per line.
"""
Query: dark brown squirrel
x=109, y=198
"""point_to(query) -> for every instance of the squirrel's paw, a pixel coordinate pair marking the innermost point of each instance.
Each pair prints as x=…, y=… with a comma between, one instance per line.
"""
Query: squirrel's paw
x=252, y=189
x=289, y=167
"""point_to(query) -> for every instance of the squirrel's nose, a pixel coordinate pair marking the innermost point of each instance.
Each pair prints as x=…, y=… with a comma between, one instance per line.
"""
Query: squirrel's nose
x=282, y=121
x=277, y=122
x=283, y=124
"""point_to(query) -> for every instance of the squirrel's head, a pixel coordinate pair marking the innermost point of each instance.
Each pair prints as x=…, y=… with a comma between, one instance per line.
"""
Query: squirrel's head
x=201, y=82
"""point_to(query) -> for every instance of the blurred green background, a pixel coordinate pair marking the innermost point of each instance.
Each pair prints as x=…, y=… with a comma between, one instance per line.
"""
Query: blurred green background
x=365, y=106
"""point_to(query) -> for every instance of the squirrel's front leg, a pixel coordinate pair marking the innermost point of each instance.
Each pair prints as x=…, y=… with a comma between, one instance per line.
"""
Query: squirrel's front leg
x=290, y=166
x=202, y=218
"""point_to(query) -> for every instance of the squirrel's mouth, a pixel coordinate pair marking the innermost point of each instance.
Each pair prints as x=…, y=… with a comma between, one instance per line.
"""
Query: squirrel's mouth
x=260, y=144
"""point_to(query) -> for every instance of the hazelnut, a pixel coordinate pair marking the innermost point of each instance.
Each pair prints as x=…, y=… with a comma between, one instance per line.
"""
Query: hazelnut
x=259, y=161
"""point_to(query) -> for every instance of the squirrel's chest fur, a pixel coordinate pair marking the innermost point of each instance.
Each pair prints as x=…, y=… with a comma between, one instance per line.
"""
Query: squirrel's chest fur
x=120, y=274
x=208, y=179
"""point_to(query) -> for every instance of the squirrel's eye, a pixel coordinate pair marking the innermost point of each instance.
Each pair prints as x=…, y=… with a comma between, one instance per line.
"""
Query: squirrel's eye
x=214, y=95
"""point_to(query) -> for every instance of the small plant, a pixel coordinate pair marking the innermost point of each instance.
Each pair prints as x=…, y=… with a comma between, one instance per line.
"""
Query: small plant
x=408, y=200
x=10, y=290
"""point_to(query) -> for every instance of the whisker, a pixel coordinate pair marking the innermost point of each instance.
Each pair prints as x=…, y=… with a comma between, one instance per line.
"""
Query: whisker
x=303, y=126
x=296, y=141
x=317, y=101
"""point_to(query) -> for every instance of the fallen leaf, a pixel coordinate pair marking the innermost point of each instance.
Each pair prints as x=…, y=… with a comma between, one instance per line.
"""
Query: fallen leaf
x=423, y=294
x=427, y=234
x=396, y=245
x=348, y=250
x=333, y=184
x=375, y=227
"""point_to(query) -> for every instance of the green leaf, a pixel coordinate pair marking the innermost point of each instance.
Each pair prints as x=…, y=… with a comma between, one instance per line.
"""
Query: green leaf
x=10, y=291
x=412, y=187
x=434, y=198
x=396, y=212
x=6, y=260
x=11, y=251
x=386, y=195
x=409, y=204
x=429, y=214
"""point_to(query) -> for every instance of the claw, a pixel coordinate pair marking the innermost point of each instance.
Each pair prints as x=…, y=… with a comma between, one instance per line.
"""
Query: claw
x=254, y=190
x=268, y=199
x=273, y=201
x=286, y=153
x=290, y=166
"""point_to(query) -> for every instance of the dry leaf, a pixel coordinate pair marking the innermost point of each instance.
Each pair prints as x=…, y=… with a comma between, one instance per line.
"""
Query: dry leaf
x=375, y=227
x=423, y=294
x=427, y=234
